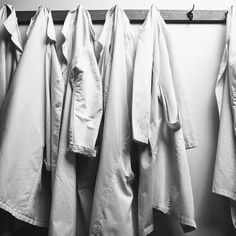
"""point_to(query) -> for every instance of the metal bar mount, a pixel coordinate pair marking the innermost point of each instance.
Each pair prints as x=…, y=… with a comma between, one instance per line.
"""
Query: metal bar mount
x=138, y=16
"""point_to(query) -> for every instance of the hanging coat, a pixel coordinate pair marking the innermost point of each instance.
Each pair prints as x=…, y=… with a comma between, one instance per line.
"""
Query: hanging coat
x=77, y=161
x=10, y=48
x=10, y=52
x=27, y=134
x=112, y=212
x=225, y=166
x=159, y=111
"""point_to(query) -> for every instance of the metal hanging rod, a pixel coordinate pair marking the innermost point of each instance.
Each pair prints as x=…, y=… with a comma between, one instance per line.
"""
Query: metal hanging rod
x=138, y=16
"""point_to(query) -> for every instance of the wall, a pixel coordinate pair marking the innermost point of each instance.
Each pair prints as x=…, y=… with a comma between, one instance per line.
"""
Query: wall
x=131, y=4
x=199, y=49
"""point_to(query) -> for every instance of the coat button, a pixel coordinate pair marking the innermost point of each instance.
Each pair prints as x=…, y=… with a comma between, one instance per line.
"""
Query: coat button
x=58, y=105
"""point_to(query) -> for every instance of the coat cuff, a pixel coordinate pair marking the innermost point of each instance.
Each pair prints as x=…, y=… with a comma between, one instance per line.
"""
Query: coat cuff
x=82, y=150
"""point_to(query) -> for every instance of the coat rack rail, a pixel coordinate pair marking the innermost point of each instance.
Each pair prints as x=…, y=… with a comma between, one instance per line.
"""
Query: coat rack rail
x=138, y=16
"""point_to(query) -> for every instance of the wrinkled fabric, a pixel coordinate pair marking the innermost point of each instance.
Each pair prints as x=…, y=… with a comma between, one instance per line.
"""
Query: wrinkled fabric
x=157, y=120
x=112, y=211
x=187, y=125
x=82, y=111
x=10, y=48
x=10, y=52
x=225, y=165
x=26, y=127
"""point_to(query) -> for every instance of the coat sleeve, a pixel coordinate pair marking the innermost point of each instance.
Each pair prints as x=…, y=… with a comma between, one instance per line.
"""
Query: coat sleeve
x=163, y=75
x=86, y=107
x=181, y=98
x=142, y=80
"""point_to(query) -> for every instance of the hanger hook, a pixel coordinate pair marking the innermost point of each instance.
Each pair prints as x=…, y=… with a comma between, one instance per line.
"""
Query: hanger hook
x=190, y=13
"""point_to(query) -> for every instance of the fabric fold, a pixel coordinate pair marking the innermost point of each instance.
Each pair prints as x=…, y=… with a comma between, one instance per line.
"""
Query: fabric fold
x=10, y=49
x=113, y=204
x=225, y=164
x=77, y=160
x=11, y=26
x=29, y=127
x=158, y=129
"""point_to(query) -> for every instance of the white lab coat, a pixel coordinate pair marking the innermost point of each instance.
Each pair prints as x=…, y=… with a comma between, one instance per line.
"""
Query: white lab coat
x=162, y=125
x=225, y=166
x=26, y=128
x=112, y=211
x=75, y=172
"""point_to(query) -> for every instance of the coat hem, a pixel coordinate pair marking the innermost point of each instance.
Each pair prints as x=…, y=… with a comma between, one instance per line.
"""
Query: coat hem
x=139, y=139
x=22, y=216
x=224, y=192
x=182, y=219
x=148, y=230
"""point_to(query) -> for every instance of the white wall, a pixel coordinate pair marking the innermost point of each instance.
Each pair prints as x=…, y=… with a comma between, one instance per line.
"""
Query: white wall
x=199, y=49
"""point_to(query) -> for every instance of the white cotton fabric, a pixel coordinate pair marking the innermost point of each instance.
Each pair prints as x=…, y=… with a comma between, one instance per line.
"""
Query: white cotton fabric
x=10, y=48
x=112, y=211
x=225, y=166
x=27, y=135
x=162, y=125
x=77, y=162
